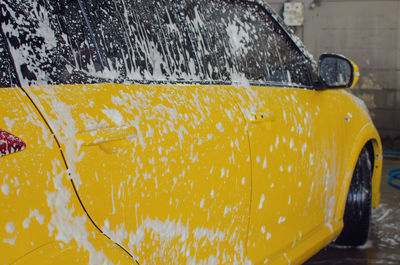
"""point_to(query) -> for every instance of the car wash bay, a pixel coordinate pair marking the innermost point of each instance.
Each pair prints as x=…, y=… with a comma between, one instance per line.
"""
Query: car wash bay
x=383, y=245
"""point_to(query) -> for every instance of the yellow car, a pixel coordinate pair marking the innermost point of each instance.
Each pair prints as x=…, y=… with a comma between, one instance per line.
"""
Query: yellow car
x=175, y=132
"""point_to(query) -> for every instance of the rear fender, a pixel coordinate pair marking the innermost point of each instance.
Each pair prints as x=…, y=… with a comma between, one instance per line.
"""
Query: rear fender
x=42, y=219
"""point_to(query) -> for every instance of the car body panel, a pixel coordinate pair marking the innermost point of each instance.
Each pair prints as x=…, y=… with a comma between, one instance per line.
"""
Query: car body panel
x=25, y=175
x=146, y=220
x=38, y=202
x=184, y=140
x=310, y=128
x=281, y=149
x=358, y=117
x=58, y=252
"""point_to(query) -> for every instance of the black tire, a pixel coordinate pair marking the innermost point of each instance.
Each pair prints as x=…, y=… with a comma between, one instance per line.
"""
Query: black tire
x=358, y=205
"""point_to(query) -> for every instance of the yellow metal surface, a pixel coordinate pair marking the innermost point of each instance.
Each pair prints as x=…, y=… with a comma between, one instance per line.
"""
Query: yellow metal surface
x=179, y=187
x=356, y=74
x=182, y=174
x=59, y=253
x=302, y=163
x=38, y=205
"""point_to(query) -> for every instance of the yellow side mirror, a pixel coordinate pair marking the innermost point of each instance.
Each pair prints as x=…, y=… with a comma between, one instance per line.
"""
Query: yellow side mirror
x=356, y=74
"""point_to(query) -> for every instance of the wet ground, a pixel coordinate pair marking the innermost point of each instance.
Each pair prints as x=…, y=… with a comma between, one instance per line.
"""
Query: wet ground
x=383, y=245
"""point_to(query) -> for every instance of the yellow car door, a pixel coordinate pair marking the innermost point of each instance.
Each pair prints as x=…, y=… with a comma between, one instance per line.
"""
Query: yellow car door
x=281, y=148
x=286, y=205
x=297, y=169
x=163, y=170
x=148, y=159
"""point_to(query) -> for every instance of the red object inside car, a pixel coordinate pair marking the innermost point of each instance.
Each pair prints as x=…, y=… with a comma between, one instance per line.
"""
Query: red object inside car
x=10, y=144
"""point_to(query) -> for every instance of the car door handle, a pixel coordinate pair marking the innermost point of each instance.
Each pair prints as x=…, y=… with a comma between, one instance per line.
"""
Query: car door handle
x=105, y=136
x=262, y=117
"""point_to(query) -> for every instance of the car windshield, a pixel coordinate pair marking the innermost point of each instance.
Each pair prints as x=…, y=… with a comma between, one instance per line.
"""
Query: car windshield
x=74, y=41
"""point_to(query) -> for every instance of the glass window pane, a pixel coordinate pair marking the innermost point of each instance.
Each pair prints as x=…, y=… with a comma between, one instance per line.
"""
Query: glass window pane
x=294, y=64
x=72, y=41
x=49, y=42
x=238, y=37
x=143, y=39
x=8, y=77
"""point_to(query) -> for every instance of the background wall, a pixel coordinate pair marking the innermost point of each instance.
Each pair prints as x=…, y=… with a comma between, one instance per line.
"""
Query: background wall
x=368, y=32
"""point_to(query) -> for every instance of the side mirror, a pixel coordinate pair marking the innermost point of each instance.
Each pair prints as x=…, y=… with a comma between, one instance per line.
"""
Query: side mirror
x=336, y=71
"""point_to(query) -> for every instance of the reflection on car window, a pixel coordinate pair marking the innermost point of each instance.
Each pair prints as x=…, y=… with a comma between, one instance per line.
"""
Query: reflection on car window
x=8, y=78
x=71, y=41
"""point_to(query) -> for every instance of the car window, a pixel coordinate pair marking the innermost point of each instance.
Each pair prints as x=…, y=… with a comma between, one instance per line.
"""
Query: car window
x=293, y=62
x=93, y=41
x=241, y=37
x=40, y=49
x=76, y=45
x=71, y=41
x=143, y=39
x=233, y=38
x=8, y=78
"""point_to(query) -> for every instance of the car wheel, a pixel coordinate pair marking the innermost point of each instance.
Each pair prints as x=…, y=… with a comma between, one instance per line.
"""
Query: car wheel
x=358, y=206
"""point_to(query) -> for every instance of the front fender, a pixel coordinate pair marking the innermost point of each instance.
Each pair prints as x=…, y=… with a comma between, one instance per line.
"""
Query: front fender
x=368, y=134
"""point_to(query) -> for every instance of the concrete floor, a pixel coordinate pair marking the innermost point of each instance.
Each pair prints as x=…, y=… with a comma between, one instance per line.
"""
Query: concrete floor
x=383, y=245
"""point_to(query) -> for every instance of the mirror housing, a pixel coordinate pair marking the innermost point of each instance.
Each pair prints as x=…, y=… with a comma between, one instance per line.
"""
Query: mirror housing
x=336, y=71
